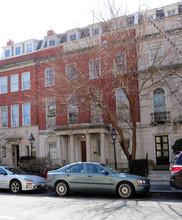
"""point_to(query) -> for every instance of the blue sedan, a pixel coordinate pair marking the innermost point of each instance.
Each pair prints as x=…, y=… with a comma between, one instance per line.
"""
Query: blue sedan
x=94, y=177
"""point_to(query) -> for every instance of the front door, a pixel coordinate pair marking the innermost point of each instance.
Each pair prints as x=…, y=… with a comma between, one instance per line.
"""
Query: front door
x=83, y=148
x=162, y=150
x=15, y=155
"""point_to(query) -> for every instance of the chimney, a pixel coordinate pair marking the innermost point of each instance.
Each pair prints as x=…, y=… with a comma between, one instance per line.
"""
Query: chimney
x=10, y=42
x=50, y=32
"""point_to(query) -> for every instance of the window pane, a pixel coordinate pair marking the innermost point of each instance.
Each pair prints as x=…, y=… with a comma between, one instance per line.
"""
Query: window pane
x=53, y=151
x=14, y=83
x=7, y=53
x=73, y=37
x=15, y=115
x=52, y=43
x=73, y=110
x=158, y=140
x=4, y=85
x=91, y=168
x=51, y=110
x=49, y=77
x=26, y=114
x=77, y=168
x=159, y=100
x=26, y=81
x=29, y=48
x=165, y=139
x=94, y=69
x=71, y=72
x=4, y=116
x=18, y=51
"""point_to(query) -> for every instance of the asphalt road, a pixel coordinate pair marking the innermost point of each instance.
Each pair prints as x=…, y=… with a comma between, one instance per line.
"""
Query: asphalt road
x=49, y=206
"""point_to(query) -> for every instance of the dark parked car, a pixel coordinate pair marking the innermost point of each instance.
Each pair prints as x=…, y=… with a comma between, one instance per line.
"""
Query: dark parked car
x=176, y=172
x=94, y=177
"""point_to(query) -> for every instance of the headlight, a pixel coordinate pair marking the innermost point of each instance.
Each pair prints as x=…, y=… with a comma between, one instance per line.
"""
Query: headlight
x=141, y=181
x=28, y=180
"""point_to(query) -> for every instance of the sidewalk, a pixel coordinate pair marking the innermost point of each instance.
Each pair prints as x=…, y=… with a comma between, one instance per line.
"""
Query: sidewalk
x=159, y=182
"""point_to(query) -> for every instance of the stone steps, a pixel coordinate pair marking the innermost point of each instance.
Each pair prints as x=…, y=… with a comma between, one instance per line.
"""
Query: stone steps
x=159, y=180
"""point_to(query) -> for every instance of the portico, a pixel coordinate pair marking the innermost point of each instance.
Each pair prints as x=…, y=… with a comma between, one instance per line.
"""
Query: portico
x=85, y=142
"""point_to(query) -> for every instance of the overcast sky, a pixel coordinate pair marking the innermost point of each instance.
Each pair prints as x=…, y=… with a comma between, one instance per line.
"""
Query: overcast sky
x=26, y=19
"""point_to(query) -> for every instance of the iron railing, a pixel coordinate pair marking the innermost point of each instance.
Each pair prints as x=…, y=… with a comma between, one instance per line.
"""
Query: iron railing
x=160, y=118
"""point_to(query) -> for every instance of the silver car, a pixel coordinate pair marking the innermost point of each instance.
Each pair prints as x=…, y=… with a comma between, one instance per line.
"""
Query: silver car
x=16, y=180
x=95, y=177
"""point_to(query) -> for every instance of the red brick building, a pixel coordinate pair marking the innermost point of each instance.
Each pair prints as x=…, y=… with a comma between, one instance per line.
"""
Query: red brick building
x=47, y=88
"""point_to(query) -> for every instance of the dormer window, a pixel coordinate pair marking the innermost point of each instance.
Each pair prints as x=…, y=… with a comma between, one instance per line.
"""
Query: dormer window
x=96, y=31
x=7, y=53
x=171, y=12
x=64, y=38
x=72, y=37
x=29, y=48
x=17, y=51
x=52, y=43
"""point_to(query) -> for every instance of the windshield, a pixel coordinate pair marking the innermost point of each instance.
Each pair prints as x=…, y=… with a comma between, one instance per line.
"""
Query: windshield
x=111, y=169
x=13, y=170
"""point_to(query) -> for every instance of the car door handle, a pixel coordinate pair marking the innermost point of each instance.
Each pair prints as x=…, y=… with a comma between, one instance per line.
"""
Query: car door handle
x=68, y=175
x=89, y=176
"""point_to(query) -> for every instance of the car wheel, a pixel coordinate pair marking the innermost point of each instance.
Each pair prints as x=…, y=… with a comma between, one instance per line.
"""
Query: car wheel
x=62, y=189
x=125, y=190
x=15, y=186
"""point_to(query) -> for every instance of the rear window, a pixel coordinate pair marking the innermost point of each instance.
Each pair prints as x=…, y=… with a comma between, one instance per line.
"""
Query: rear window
x=179, y=160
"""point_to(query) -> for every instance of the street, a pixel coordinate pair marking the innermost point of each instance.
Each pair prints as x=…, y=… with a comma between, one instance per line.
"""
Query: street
x=47, y=205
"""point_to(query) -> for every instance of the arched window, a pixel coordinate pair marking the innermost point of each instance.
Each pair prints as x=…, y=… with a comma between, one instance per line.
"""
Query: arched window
x=159, y=100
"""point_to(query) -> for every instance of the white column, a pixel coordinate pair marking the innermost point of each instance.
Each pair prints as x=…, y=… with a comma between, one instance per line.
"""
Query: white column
x=64, y=144
x=88, y=148
x=103, y=150
x=59, y=149
x=72, y=149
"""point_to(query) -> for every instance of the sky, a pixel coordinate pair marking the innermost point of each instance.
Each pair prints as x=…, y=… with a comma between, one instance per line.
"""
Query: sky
x=27, y=19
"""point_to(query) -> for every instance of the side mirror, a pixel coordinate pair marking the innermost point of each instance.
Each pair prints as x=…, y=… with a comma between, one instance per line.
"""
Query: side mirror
x=105, y=172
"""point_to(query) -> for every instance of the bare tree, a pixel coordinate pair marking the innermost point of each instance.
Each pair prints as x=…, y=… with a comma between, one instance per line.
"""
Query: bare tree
x=101, y=72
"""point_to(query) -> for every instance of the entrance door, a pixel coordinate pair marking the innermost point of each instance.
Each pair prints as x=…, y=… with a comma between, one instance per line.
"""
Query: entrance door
x=15, y=155
x=83, y=148
x=162, y=150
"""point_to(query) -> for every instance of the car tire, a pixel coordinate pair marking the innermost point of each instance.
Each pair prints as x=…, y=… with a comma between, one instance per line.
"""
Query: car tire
x=125, y=190
x=15, y=186
x=62, y=189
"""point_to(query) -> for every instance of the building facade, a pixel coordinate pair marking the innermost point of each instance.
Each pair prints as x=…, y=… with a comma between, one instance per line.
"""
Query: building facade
x=37, y=91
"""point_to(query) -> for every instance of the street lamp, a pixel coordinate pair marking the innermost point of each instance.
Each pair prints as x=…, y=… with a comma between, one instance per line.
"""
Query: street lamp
x=114, y=136
x=31, y=141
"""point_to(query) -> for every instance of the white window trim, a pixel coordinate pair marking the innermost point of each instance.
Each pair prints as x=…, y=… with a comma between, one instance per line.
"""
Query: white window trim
x=26, y=47
x=157, y=50
x=22, y=80
x=7, y=48
x=51, y=39
x=18, y=82
x=1, y=87
x=50, y=100
x=21, y=50
x=48, y=150
x=12, y=117
x=23, y=115
x=124, y=63
x=91, y=74
x=75, y=107
x=46, y=85
x=74, y=67
x=1, y=117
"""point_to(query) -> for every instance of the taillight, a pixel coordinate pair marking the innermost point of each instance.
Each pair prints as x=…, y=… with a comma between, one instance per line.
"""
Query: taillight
x=176, y=169
x=47, y=175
